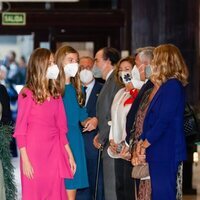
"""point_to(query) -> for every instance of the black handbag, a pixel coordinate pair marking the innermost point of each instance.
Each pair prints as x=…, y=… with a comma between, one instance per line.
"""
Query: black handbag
x=190, y=122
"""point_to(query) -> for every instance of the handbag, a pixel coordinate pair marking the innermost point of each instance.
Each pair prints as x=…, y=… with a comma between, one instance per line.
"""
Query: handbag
x=190, y=122
x=140, y=171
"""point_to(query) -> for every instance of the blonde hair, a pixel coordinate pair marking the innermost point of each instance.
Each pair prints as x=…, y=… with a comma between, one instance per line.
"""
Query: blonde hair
x=59, y=57
x=168, y=63
x=129, y=59
x=36, y=79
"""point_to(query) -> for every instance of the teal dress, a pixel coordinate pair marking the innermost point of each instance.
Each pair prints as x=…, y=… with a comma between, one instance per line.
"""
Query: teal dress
x=75, y=115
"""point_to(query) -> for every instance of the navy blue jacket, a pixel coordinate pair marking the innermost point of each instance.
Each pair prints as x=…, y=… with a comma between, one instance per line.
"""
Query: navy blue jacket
x=163, y=124
x=91, y=151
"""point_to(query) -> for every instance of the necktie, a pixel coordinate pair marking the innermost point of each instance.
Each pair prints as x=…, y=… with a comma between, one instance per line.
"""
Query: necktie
x=84, y=90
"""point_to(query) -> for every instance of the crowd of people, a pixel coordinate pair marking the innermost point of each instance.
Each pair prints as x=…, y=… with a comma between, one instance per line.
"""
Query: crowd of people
x=85, y=138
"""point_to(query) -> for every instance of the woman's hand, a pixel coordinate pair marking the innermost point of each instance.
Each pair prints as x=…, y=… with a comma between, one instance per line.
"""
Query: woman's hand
x=27, y=169
x=139, y=154
x=26, y=164
x=72, y=164
x=134, y=159
x=125, y=154
x=113, y=146
x=71, y=159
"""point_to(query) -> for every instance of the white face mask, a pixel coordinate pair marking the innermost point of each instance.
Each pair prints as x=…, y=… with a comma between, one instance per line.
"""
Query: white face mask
x=52, y=72
x=97, y=72
x=86, y=76
x=71, y=69
x=126, y=76
x=148, y=71
x=135, y=73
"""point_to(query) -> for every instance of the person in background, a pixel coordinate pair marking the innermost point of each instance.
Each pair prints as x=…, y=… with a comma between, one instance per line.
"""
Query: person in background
x=12, y=67
x=106, y=60
x=92, y=90
x=20, y=76
x=41, y=127
x=162, y=142
x=120, y=107
x=67, y=59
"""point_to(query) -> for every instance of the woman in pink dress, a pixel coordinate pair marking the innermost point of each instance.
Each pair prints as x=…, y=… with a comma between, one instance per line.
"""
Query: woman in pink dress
x=46, y=158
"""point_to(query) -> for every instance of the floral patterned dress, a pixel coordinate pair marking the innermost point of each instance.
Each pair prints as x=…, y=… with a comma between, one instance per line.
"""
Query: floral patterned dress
x=144, y=192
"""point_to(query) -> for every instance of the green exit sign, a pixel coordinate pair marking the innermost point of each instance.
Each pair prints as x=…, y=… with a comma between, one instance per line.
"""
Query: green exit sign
x=14, y=18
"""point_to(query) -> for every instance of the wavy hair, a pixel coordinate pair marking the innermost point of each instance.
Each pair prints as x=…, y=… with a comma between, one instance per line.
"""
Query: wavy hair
x=36, y=79
x=59, y=57
x=168, y=63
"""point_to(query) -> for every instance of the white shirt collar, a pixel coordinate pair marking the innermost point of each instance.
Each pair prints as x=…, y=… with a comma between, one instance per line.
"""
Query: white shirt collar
x=89, y=90
x=90, y=85
x=109, y=73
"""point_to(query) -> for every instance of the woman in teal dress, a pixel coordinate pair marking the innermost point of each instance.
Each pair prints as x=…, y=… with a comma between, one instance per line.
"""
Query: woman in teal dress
x=67, y=59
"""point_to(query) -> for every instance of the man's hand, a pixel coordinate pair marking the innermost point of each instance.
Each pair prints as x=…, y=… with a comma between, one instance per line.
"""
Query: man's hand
x=96, y=142
x=90, y=124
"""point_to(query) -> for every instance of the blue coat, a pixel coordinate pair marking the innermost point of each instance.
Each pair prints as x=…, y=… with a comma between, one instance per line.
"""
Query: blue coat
x=163, y=124
x=163, y=128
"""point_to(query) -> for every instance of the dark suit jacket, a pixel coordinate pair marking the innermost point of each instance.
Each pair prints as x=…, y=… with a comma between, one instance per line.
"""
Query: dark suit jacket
x=5, y=101
x=134, y=108
x=163, y=124
x=91, y=151
x=104, y=103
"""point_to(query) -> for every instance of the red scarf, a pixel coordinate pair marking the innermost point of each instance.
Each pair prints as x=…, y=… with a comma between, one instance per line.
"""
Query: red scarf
x=131, y=99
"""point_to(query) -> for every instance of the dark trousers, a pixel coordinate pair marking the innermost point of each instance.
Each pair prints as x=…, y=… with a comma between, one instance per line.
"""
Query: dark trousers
x=125, y=187
x=109, y=176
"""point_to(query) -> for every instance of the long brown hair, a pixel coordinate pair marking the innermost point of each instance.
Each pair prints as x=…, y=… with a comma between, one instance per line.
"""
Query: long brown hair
x=59, y=57
x=36, y=79
x=168, y=63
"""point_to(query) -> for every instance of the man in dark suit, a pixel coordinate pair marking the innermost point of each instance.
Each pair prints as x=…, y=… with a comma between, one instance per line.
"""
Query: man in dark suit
x=106, y=59
x=92, y=89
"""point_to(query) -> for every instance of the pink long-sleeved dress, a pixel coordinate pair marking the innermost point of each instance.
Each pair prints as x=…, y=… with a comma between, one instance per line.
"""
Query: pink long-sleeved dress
x=41, y=129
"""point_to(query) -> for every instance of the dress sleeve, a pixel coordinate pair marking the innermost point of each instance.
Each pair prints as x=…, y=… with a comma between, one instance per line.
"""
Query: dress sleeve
x=62, y=122
x=83, y=115
x=25, y=101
